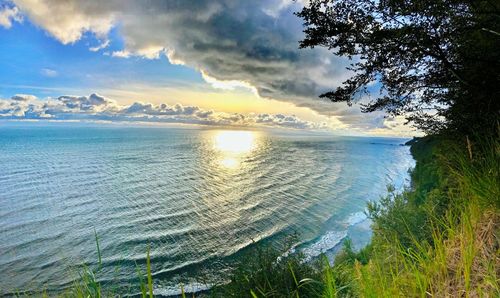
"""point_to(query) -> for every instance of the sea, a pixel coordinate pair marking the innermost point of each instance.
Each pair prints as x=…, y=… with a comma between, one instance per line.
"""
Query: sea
x=199, y=199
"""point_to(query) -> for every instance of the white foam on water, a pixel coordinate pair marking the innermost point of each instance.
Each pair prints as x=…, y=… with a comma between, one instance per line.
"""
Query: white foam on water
x=324, y=243
x=332, y=238
x=193, y=287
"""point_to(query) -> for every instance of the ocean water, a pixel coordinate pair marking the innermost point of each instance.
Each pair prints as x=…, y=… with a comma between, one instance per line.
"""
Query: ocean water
x=198, y=197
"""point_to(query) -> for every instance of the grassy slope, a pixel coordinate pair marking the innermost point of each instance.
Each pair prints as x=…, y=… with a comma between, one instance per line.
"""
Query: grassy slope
x=441, y=237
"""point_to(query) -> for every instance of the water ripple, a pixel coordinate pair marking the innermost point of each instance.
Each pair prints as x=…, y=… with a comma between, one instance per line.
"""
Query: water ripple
x=168, y=188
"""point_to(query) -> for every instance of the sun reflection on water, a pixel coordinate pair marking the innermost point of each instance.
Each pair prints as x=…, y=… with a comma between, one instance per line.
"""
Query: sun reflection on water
x=229, y=162
x=233, y=145
x=234, y=141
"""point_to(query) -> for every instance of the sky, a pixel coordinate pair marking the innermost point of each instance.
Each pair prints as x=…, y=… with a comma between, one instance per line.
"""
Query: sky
x=222, y=63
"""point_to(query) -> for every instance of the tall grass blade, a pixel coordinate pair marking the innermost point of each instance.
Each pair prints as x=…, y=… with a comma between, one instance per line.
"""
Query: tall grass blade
x=183, y=294
x=99, y=258
x=141, y=282
x=150, y=278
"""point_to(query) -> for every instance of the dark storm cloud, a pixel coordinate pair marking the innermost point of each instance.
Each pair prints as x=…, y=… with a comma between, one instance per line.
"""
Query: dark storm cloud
x=250, y=41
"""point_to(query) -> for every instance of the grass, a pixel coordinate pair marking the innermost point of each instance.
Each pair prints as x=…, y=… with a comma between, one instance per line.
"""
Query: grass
x=439, y=238
x=458, y=254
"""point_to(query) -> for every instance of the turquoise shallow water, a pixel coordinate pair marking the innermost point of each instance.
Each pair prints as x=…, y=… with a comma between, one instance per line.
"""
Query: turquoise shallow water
x=197, y=196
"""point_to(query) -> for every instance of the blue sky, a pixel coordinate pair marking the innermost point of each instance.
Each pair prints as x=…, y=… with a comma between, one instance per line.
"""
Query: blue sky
x=233, y=59
x=33, y=62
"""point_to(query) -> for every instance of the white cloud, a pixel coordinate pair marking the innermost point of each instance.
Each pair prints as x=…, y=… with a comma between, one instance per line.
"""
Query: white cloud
x=121, y=54
x=23, y=97
x=93, y=103
x=97, y=108
x=67, y=21
x=49, y=72
x=101, y=46
x=9, y=14
x=227, y=85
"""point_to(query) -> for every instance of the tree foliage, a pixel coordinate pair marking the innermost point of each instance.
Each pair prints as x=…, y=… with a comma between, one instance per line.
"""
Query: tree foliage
x=436, y=61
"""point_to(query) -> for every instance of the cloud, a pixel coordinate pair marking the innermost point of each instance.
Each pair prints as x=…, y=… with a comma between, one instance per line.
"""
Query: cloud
x=67, y=22
x=92, y=103
x=233, y=43
x=9, y=14
x=96, y=108
x=284, y=121
x=49, y=72
x=104, y=44
x=121, y=54
x=23, y=97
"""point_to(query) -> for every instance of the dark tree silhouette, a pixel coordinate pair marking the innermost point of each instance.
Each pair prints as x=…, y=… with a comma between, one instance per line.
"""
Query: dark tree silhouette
x=437, y=61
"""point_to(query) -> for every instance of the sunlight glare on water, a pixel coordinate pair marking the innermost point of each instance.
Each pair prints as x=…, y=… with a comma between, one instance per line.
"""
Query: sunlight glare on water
x=233, y=145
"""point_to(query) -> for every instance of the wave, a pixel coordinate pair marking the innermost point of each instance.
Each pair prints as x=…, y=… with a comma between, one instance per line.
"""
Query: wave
x=194, y=287
x=325, y=243
x=183, y=204
x=332, y=239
